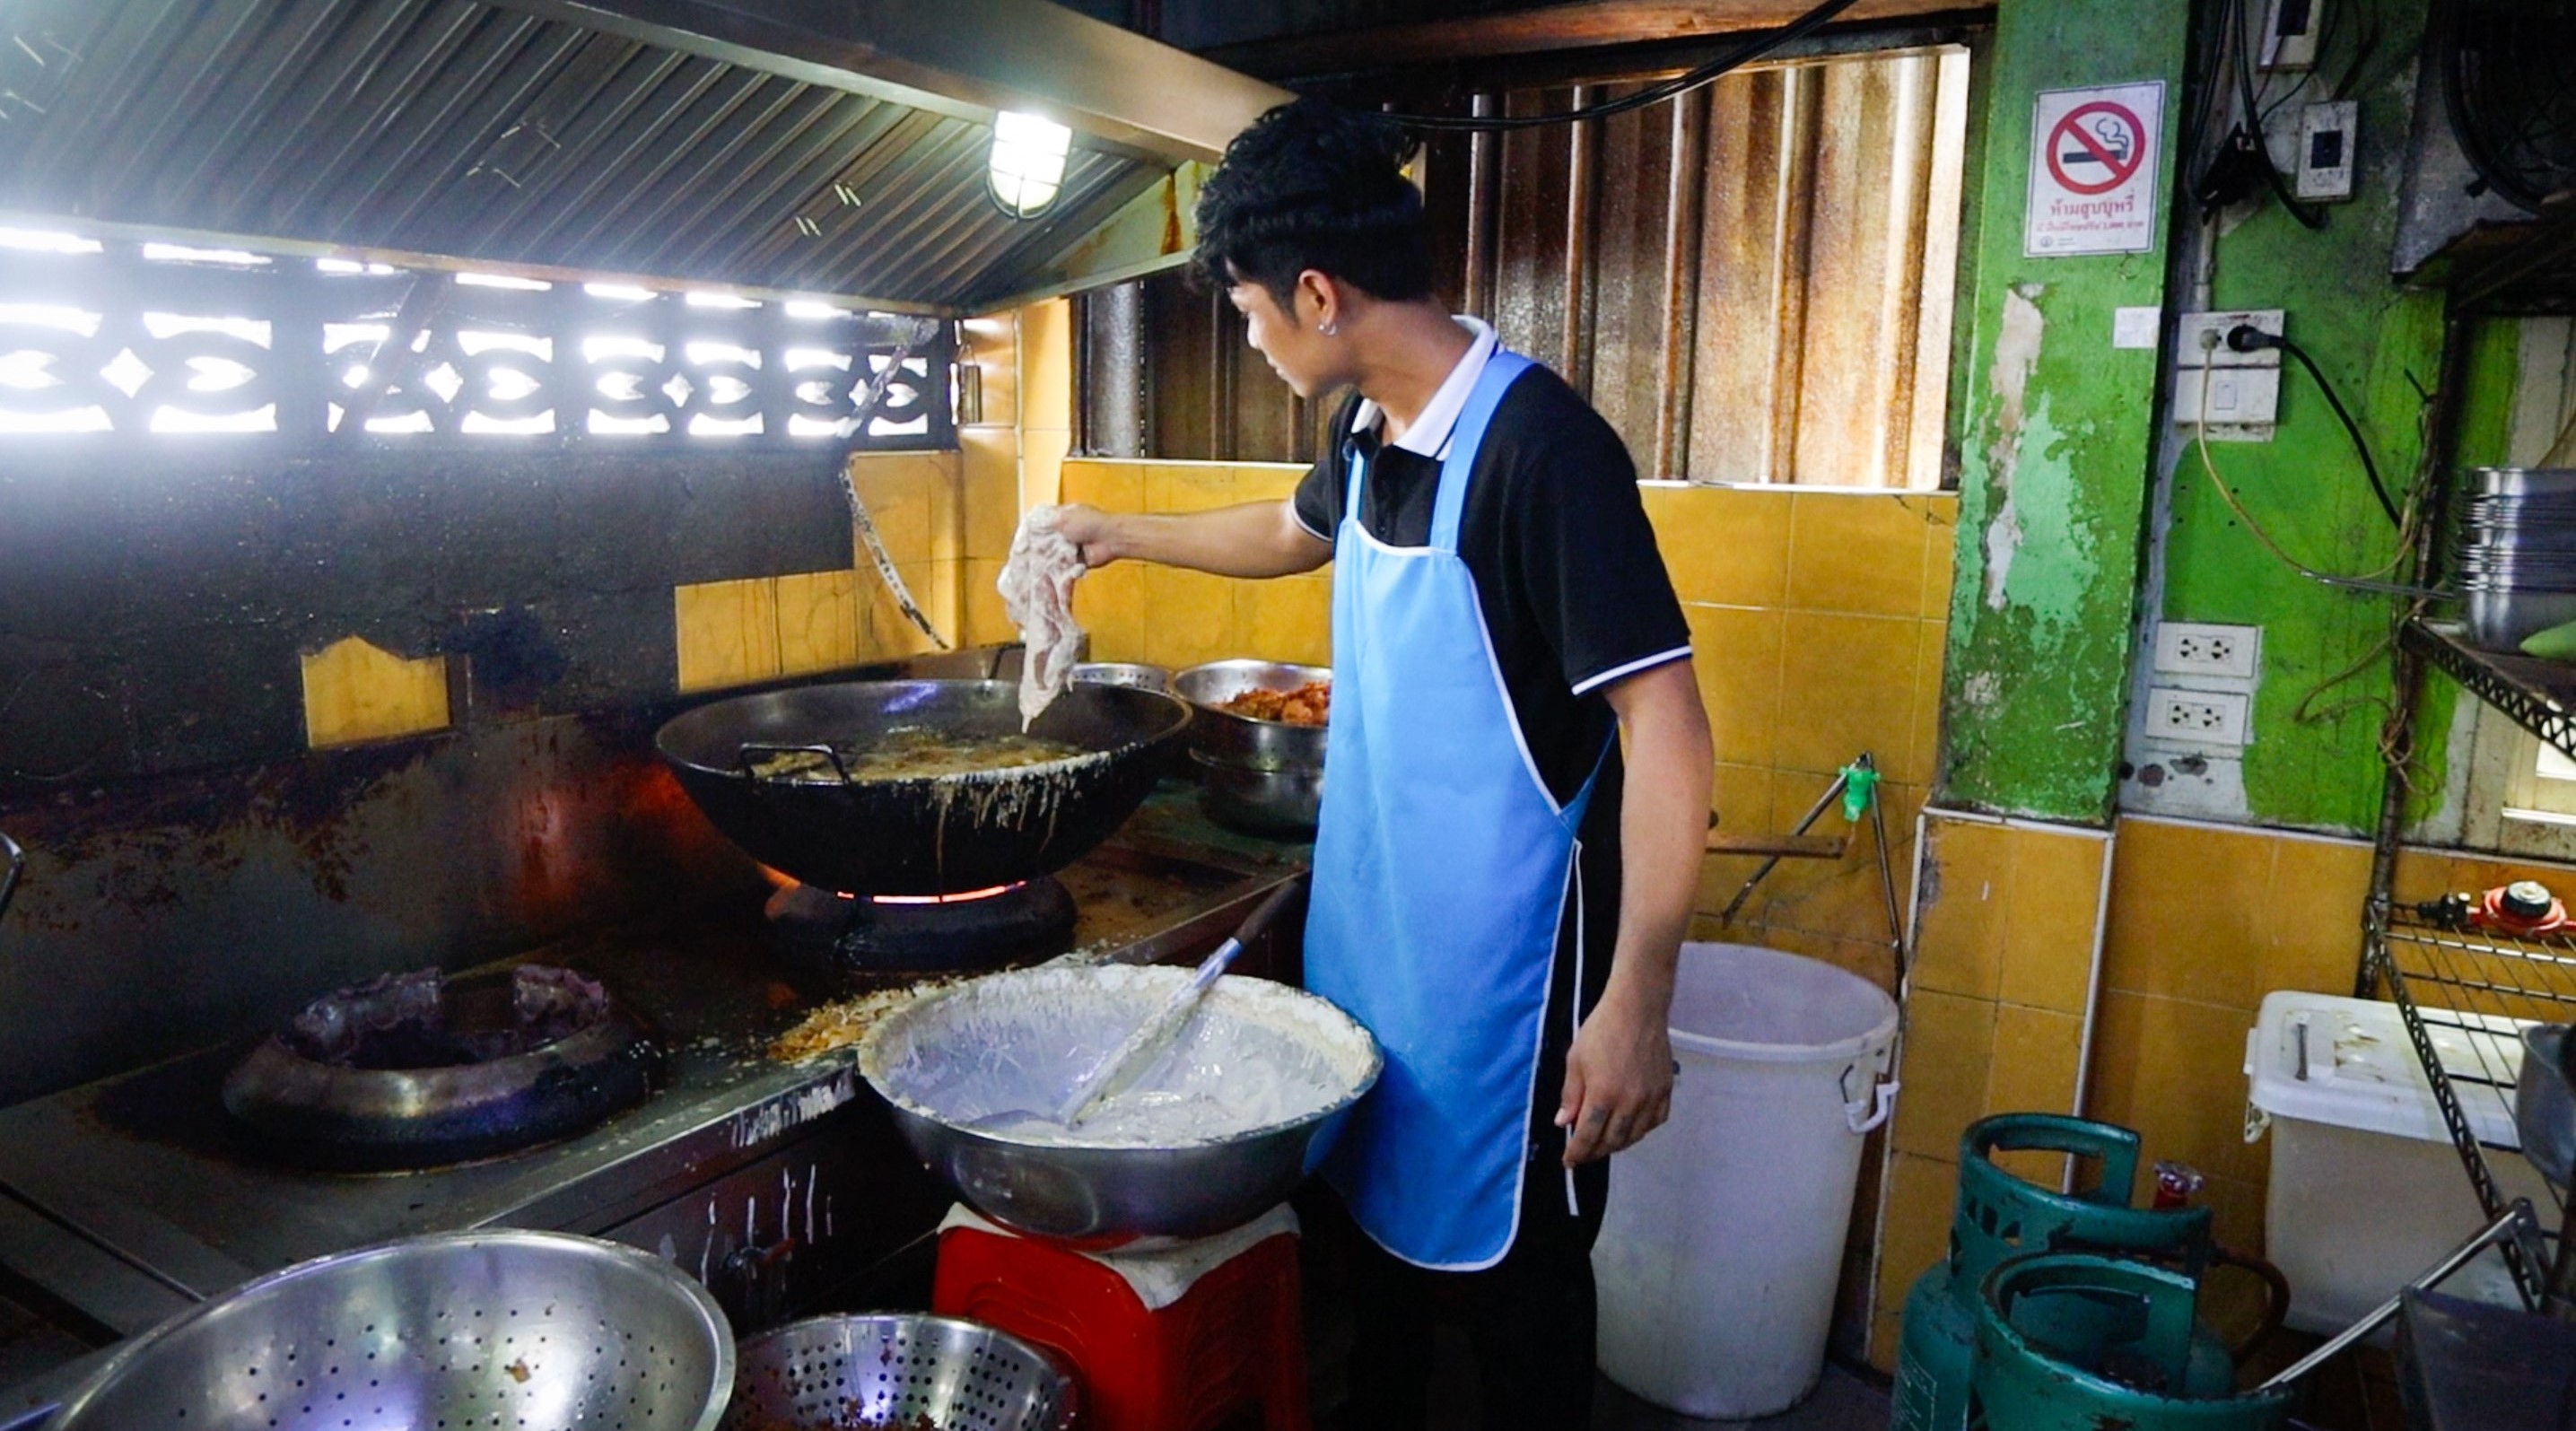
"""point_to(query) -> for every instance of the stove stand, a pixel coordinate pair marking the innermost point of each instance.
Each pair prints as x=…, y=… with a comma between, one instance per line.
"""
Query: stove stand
x=872, y=937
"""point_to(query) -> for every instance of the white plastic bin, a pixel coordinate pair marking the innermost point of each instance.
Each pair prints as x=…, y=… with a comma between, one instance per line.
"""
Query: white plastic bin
x=2366, y=1191
x=1724, y=1236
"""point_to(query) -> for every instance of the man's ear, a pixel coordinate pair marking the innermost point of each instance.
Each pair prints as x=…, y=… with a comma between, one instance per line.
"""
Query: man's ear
x=1318, y=299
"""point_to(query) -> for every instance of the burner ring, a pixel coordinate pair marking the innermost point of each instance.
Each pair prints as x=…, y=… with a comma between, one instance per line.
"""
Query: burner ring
x=335, y=1116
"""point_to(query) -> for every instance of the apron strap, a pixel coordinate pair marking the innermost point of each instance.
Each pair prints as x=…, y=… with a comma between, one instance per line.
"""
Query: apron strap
x=1466, y=439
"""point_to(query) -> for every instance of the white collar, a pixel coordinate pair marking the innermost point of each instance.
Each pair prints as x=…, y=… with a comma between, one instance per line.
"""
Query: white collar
x=1430, y=430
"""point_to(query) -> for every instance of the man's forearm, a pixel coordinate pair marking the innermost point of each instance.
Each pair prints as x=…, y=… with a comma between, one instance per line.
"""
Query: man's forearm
x=1257, y=539
x=1663, y=828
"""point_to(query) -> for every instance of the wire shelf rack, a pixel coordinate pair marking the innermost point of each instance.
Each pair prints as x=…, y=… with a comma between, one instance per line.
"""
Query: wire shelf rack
x=2466, y=996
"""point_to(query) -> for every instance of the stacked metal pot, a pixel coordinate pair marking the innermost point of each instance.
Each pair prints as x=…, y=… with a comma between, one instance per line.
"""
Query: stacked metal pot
x=2517, y=553
x=1263, y=777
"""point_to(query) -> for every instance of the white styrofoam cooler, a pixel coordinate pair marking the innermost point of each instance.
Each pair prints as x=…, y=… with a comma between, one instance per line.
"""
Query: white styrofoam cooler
x=2367, y=1192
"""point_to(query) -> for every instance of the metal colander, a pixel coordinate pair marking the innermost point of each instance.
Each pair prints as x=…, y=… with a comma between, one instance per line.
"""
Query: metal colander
x=493, y=1330
x=894, y=1371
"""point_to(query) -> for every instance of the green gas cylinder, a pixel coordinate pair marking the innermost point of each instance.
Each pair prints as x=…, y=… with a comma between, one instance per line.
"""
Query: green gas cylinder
x=1997, y=1216
x=2077, y=1342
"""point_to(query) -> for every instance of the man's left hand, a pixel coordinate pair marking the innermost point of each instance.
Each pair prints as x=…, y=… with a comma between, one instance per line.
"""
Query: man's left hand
x=1618, y=1077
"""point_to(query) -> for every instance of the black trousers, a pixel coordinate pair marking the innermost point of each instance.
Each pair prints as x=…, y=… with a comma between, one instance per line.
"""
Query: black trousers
x=1529, y=1320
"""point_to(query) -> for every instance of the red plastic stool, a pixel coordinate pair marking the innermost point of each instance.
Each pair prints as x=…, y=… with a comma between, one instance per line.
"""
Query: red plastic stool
x=1231, y=1343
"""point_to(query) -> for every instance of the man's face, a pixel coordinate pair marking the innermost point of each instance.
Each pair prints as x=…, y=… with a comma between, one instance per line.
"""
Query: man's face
x=1292, y=341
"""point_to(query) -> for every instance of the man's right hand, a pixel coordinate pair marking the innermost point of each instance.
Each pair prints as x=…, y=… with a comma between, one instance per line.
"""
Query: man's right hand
x=1088, y=528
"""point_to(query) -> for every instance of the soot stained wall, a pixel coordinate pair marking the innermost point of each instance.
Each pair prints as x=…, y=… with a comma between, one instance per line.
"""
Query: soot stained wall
x=153, y=604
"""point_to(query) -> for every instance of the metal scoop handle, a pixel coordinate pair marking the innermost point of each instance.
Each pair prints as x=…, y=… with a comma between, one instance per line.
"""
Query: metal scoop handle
x=1131, y=1055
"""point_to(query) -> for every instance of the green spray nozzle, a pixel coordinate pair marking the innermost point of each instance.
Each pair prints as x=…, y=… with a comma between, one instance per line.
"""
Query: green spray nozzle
x=1860, y=786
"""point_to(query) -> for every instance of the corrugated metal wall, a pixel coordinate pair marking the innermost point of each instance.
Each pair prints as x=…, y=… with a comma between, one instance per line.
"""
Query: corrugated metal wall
x=1780, y=314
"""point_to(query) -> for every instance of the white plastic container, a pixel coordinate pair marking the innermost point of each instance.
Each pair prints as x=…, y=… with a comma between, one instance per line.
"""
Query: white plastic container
x=2367, y=1192
x=1723, y=1240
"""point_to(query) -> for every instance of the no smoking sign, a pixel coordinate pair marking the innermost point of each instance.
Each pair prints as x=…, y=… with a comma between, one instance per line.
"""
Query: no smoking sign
x=2093, y=170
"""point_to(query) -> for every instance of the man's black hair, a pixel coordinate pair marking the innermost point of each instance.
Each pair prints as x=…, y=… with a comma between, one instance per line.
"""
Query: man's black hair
x=1312, y=185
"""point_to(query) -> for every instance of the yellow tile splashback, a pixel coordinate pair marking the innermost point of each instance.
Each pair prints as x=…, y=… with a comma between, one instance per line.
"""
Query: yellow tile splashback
x=1847, y=685
x=2173, y=1070
x=1042, y=467
x=1736, y=656
x=1959, y=919
x=1189, y=618
x=356, y=691
x=2035, y=1060
x=1109, y=605
x=2188, y=913
x=818, y=621
x=2050, y=920
x=1046, y=365
x=991, y=490
x=1722, y=545
x=1949, y=1058
x=986, y=620
x=1110, y=486
x=727, y=633
x=1862, y=555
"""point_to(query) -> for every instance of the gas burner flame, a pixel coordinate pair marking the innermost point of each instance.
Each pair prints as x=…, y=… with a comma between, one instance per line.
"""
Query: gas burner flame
x=968, y=897
x=780, y=879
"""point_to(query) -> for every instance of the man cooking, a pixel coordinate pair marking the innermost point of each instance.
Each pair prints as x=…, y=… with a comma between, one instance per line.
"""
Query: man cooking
x=1498, y=896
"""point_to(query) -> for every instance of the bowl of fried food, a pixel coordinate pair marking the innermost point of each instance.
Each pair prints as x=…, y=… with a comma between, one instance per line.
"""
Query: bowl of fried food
x=1257, y=741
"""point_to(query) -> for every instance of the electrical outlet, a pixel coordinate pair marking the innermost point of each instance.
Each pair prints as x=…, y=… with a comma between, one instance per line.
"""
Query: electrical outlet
x=2200, y=339
x=2237, y=397
x=2192, y=648
x=2325, y=149
x=2175, y=715
x=2290, y=31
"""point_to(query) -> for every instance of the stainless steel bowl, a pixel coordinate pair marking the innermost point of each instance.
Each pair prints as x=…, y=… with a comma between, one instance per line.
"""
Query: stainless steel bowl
x=935, y=1061
x=897, y=1370
x=2540, y=482
x=1281, y=804
x=489, y=1328
x=1135, y=674
x=1230, y=739
x=2502, y=620
x=2544, y=1106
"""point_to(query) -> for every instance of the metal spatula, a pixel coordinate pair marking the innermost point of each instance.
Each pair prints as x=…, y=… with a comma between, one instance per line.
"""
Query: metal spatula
x=1137, y=1052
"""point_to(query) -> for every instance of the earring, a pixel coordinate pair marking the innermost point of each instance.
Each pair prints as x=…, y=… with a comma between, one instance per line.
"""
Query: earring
x=1329, y=329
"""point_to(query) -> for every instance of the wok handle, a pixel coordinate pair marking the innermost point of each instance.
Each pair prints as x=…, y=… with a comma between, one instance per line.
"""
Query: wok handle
x=750, y=749
x=17, y=868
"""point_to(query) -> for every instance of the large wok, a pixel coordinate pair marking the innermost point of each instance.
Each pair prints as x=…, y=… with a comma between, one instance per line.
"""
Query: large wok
x=939, y=835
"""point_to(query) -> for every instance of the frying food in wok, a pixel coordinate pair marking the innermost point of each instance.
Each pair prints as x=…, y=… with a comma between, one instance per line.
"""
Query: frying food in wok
x=916, y=753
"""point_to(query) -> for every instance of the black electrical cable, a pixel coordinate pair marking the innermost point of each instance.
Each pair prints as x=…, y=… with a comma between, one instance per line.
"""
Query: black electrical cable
x=2307, y=217
x=1743, y=54
x=2245, y=338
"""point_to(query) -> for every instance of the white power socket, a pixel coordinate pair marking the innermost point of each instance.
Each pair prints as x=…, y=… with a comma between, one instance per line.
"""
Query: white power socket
x=2325, y=149
x=2290, y=32
x=2192, y=648
x=2200, y=339
x=2178, y=716
x=2237, y=397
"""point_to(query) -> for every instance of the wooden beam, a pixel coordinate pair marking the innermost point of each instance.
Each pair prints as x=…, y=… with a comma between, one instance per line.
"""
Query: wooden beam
x=1579, y=25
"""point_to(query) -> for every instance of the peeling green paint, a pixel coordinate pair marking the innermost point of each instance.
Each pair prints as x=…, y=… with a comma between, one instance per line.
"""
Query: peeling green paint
x=2054, y=438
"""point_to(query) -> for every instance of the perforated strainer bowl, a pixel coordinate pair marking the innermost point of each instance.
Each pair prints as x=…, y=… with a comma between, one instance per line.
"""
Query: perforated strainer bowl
x=897, y=1371
x=497, y=1330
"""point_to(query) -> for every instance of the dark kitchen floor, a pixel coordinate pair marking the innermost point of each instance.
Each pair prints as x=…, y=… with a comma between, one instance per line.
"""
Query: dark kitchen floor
x=1843, y=1401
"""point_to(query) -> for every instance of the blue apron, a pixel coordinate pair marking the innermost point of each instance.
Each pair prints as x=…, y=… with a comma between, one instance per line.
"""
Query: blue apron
x=1442, y=870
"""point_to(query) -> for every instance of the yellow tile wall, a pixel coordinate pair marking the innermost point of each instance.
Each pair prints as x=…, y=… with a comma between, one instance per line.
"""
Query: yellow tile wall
x=1178, y=618
x=733, y=633
x=1817, y=622
x=2005, y=926
x=355, y=691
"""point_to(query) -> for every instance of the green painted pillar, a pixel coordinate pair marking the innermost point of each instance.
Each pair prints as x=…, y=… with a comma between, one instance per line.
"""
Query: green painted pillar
x=2056, y=437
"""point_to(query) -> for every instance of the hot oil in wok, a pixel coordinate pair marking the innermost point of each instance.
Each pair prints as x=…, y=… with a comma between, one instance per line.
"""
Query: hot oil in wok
x=917, y=753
